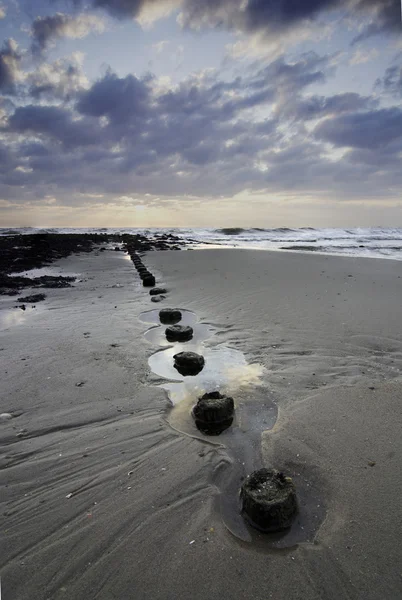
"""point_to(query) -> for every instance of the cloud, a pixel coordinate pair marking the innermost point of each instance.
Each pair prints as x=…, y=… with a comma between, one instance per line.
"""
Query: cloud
x=118, y=99
x=251, y=16
x=391, y=83
x=160, y=47
x=46, y=30
x=62, y=79
x=3, y=12
x=204, y=137
x=384, y=16
x=374, y=129
x=316, y=107
x=363, y=56
x=55, y=124
x=10, y=58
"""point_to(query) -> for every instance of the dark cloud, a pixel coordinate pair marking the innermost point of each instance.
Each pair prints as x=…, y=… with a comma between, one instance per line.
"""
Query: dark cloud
x=316, y=107
x=385, y=17
x=55, y=124
x=50, y=28
x=119, y=99
x=202, y=137
x=391, y=83
x=10, y=59
x=372, y=129
x=123, y=9
x=262, y=15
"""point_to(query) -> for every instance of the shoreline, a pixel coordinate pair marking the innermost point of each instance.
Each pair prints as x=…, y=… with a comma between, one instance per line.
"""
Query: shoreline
x=138, y=486
x=290, y=251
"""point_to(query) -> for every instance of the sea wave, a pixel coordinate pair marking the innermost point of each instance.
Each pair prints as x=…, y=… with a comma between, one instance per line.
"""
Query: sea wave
x=375, y=242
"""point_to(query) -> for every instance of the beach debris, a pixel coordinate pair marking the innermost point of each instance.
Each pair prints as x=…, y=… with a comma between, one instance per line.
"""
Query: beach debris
x=156, y=291
x=80, y=383
x=188, y=363
x=148, y=281
x=192, y=542
x=69, y=495
x=5, y=417
x=371, y=463
x=179, y=333
x=269, y=500
x=169, y=316
x=33, y=298
x=213, y=413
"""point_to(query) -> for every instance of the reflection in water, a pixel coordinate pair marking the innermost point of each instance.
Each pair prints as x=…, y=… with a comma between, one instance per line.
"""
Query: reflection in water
x=14, y=316
x=227, y=371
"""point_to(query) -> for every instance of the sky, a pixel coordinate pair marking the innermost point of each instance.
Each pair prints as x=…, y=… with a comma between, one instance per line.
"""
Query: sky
x=200, y=113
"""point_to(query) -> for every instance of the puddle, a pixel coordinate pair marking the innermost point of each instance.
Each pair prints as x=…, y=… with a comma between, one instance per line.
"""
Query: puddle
x=44, y=271
x=226, y=370
x=15, y=316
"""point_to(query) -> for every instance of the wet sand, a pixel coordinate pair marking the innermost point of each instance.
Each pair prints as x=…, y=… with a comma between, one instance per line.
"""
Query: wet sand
x=105, y=499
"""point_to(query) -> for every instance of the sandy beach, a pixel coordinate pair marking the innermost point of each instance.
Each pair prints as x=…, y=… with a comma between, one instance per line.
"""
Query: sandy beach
x=108, y=492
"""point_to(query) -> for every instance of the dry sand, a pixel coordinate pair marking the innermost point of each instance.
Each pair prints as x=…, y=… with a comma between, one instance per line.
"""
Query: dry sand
x=101, y=498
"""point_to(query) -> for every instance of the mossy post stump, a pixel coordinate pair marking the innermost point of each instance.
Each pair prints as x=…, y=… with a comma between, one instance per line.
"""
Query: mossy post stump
x=157, y=291
x=169, y=316
x=148, y=281
x=269, y=500
x=188, y=363
x=179, y=333
x=213, y=413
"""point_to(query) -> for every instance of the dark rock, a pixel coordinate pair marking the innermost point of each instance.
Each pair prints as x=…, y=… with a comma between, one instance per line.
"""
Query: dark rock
x=144, y=274
x=188, y=363
x=156, y=291
x=148, y=281
x=158, y=298
x=117, y=249
x=303, y=248
x=213, y=413
x=179, y=333
x=32, y=299
x=169, y=315
x=269, y=500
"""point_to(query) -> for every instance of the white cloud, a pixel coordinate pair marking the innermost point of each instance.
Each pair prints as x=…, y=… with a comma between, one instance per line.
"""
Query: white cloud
x=154, y=11
x=3, y=12
x=360, y=56
x=160, y=46
x=269, y=47
x=46, y=30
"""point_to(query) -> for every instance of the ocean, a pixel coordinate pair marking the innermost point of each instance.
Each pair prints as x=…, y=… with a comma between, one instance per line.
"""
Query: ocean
x=375, y=242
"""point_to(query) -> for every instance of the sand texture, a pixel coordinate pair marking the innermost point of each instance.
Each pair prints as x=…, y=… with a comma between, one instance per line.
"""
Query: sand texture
x=108, y=493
